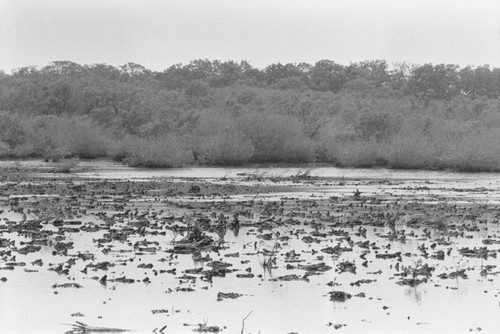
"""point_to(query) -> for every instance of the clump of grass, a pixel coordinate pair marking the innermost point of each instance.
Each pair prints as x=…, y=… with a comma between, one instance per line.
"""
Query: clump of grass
x=258, y=175
x=270, y=257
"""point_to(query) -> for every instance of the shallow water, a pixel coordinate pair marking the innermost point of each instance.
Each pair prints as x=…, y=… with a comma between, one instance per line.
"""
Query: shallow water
x=29, y=303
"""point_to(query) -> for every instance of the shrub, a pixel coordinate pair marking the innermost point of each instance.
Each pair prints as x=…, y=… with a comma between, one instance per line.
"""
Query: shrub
x=276, y=138
x=15, y=130
x=165, y=151
x=411, y=150
x=225, y=148
x=4, y=149
x=57, y=137
x=359, y=154
x=218, y=141
x=85, y=139
x=333, y=134
x=412, y=147
x=197, y=89
x=375, y=125
x=475, y=152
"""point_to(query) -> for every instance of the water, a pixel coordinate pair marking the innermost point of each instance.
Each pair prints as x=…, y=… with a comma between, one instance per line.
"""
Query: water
x=324, y=204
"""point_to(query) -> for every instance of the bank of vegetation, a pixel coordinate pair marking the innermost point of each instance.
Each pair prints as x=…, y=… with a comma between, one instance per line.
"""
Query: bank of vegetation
x=366, y=114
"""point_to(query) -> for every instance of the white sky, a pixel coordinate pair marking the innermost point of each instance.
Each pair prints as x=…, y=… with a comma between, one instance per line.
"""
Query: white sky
x=160, y=33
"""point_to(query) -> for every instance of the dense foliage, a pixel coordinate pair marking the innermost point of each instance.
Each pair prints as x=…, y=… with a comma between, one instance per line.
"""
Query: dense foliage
x=213, y=112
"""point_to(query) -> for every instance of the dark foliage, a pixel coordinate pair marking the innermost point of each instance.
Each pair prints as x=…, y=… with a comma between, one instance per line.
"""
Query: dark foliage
x=213, y=112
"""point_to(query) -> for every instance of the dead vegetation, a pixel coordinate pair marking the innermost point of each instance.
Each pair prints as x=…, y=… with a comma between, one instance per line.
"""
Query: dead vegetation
x=82, y=328
x=192, y=234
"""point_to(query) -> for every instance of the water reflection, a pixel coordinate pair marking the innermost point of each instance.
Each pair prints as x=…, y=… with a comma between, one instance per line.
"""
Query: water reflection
x=414, y=294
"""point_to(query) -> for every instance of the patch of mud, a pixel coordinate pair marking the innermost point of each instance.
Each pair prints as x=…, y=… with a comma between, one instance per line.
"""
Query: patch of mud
x=300, y=252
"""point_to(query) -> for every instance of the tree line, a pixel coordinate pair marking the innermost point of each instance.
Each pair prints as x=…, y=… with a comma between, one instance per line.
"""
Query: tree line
x=213, y=112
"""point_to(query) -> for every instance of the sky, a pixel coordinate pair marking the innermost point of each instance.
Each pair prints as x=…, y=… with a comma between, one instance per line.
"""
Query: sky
x=161, y=33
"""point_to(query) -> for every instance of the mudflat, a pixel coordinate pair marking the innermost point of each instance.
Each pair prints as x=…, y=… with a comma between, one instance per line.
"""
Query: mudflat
x=104, y=248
